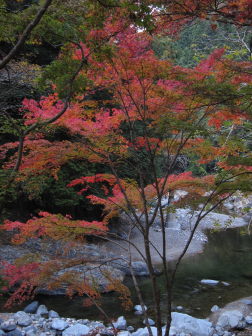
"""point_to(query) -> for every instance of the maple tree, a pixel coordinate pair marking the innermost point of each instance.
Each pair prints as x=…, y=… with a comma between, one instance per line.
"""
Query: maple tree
x=155, y=112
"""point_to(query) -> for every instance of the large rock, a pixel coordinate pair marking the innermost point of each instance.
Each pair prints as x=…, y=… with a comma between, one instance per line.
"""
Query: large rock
x=100, y=276
x=42, y=310
x=22, y=319
x=230, y=319
x=53, y=314
x=209, y=282
x=59, y=324
x=8, y=326
x=187, y=324
x=32, y=307
x=139, y=268
x=76, y=330
x=145, y=332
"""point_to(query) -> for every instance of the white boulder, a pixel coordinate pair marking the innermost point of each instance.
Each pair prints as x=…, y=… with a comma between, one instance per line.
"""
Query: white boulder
x=121, y=323
x=59, y=324
x=139, y=308
x=209, y=282
x=215, y=308
x=187, y=324
x=230, y=319
x=76, y=330
x=150, y=321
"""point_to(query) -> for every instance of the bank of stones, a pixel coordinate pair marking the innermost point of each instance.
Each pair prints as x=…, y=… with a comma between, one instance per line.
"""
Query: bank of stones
x=37, y=320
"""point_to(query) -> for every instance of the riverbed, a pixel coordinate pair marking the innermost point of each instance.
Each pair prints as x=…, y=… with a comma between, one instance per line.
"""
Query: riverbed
x=226, y=257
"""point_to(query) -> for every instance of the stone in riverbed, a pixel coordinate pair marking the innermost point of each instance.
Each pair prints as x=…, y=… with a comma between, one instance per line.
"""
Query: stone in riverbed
x=42, y=310
x=248, y=319
x=215, y=308
x=22, y=319
x=190, y=325
x=230, y=319
x=123, y=333
x=8, y=326
x=246, y=301
x=209, y=282
x=121, y=323
x=145, y=332
x=225, y=283
x=151, y=322
x=32, y=307
x=130, y=328
x=53, y=314
x=30, y=331
x=76, y=330
x=179, y=308
x=59, y=324
x=15, y=332
x=139, y=308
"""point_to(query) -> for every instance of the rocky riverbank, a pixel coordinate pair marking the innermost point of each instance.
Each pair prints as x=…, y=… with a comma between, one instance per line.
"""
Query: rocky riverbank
x=35, y=320
x=101, y=258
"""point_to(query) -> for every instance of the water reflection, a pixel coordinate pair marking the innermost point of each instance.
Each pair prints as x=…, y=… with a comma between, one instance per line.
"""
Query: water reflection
x=227, y=257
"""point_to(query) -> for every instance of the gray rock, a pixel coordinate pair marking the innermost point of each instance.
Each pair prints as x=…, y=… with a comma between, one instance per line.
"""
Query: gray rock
x=95, y=324
x=32, y=307
x=246, y=301
x=229, y=205
x=59, y=324
x=53, y=292
x=53, y=314
x=123, y=333
x=15, y=332
x=230, y=319
x=42, y=310
x=190, y=325
x=209, y=282
x=30, y=328
x=139, y=308
x=85, y=321
x=227, y=333
x=142, y=332
x=7, y=326
x=215, y=308
x=130, y=328
x=225, y=283
x=76, y=330
x=248, y=319
x=121, y=323
x=31, y=331
x=151, y=322
x=2, y=333
x=219, y=330
x=139, y=268
x=22, y=319
x=107, y=332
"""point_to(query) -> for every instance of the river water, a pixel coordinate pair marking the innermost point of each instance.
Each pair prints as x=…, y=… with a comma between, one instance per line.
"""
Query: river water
x=227, y=257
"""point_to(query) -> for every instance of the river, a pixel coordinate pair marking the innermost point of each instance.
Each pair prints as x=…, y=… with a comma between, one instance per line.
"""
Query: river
x=227, y=257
